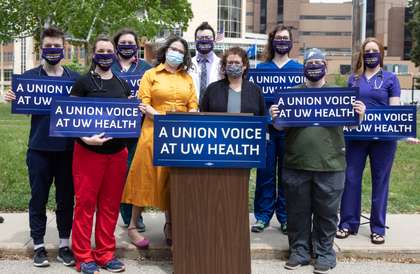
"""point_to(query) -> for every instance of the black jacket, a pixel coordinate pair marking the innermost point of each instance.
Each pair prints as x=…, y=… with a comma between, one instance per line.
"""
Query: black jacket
x=215, y=98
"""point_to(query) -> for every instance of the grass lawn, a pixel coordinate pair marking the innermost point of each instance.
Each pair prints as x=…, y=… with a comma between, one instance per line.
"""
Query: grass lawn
x=404, y=195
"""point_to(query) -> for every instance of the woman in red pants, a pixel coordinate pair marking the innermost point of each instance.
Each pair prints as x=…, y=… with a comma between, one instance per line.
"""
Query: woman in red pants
x=99, y=169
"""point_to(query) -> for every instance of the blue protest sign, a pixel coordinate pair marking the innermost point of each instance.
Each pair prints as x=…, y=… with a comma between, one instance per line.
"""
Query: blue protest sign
x=385, y=123
x=273, y=81
x=325, y=107
x=199, y=140
x=133, y=81
x=81, y=116
x=34, y=94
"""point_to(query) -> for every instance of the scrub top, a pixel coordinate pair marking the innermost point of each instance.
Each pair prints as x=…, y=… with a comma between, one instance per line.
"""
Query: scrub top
x=378, y=89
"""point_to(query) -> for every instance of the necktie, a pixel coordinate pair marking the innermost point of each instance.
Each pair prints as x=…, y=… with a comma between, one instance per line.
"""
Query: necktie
x=203, y=77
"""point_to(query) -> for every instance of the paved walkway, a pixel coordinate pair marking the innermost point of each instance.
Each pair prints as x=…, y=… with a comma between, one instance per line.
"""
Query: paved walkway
x=402, y=240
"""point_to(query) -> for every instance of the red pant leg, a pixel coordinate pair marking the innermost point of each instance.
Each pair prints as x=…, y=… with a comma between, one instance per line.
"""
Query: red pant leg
x=109, y=199
x=88, y=172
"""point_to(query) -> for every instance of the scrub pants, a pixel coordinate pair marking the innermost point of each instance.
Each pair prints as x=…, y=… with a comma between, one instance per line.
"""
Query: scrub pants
x=269, y=192
x=98, y=182
x=44, y=168
x=381, y=155
x=312, y=203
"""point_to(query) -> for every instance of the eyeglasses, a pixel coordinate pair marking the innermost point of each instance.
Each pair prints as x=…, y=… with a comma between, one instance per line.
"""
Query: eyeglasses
x=178, y=50
x=204, y=37
x=234, y=63
x=282, y=38
x=53, y=45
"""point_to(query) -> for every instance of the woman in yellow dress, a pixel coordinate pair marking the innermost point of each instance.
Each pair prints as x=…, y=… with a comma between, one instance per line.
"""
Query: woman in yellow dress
x=166, y=87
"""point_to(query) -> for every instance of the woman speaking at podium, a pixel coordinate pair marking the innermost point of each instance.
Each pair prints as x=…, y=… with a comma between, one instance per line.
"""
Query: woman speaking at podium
x=166, y=87
x=233, y=93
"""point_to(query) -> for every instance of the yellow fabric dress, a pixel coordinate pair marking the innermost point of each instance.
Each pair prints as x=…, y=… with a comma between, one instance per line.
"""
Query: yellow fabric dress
x=146, y=184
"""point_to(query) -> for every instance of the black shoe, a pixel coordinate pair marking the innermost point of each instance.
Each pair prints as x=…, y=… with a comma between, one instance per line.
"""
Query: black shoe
x=321, y=268
x=283, y=228
x=40, y=257
x=293, y=264
x=258, y=227
x=66, y=256
x=1, y=219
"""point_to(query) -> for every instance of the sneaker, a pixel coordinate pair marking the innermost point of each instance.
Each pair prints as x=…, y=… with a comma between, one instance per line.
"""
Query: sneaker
x=283, y=228
x=293, y=264
x=115, y=265
x=66, y=256
x=89, y=268
x=141, y=227
x=40, y=257
x=259, y=226
x=321, y=268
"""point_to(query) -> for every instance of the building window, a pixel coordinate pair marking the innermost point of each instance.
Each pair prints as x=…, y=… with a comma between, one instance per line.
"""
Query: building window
x=280, y=11
x=229, y=17
x=324, y=17
x=69, y=52
x=397, y=68
x=76, y=52
x=22, y=55
x=324, y=33
x=263, y=16
x=370, y=18
x=8, y=74
x=82, y=53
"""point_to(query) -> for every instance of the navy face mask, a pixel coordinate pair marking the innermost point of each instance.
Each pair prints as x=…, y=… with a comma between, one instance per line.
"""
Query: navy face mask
x=104, y=60
x=372, y=59
x=314, y=72
x=127, y=51
x=204, y=46
x=282, y=46
x=53, y=56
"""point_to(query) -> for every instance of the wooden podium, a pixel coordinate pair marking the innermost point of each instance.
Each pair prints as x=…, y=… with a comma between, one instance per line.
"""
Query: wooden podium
x=210, y=220
x=209, y=194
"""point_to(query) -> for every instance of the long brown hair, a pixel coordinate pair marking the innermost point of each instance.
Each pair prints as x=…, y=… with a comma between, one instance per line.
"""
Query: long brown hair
x=359, y=68
x=234, y=51
x=269, y=50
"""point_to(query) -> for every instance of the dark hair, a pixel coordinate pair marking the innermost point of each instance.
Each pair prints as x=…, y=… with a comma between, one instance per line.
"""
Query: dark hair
x=204, y=26
x=124, y=31
x=234, y=51
x=161, y=53
x=99, y=39
x=359, y=69
x=52, y=32
x=269, y=50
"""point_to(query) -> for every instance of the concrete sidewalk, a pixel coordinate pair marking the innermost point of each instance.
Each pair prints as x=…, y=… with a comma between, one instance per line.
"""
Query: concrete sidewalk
x=402, y=240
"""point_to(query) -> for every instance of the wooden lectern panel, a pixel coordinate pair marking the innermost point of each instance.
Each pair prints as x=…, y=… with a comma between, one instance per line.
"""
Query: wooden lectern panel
x=210, y=221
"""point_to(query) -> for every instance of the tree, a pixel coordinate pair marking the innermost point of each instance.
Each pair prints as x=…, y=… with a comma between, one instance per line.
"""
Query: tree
x=414, y=26
x=84, y=20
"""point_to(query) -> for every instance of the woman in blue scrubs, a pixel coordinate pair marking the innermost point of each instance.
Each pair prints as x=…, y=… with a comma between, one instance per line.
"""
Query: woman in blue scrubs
x=269, y=191
x=377, y=88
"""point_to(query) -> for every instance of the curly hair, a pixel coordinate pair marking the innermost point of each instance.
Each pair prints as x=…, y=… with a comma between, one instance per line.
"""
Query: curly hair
x=234, y=51
x=161, y=53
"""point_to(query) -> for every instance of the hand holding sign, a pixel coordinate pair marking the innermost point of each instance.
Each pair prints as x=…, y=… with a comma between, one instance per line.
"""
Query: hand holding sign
x=10, y=96
x=96, y=140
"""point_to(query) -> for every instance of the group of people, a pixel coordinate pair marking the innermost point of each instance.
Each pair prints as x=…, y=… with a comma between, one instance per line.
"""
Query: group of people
x=308, y=169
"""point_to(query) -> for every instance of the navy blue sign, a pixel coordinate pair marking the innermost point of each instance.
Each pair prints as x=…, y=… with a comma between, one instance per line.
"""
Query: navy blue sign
x=272, y=81
x=385, y=123
x=325, y=107
x=34, y=94
x=79, y=117
x=194, y=140
x=133, y=81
